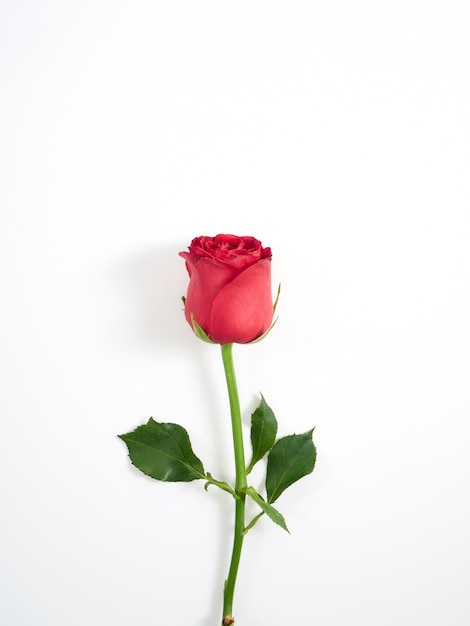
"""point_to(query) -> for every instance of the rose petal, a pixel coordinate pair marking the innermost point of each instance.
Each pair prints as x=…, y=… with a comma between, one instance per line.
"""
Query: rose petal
x=243, y=310
x=208, y=277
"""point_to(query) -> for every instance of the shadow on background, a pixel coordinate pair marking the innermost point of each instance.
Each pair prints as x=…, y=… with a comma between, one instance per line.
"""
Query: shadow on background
x=151, y=284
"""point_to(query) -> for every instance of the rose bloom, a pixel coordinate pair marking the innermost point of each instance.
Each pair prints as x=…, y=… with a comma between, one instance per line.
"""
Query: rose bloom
x=229, y=293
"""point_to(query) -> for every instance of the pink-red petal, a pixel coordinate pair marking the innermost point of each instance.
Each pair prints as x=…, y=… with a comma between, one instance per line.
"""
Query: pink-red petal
x=243, y=309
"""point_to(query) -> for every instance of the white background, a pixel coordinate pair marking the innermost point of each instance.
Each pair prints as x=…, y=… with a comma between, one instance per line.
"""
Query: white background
x=337, y=133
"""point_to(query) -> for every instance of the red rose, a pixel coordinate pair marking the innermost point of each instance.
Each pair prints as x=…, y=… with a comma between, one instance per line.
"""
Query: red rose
x=229, y=293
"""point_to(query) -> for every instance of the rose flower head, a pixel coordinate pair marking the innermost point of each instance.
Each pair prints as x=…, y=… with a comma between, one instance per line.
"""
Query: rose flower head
x=229, y=293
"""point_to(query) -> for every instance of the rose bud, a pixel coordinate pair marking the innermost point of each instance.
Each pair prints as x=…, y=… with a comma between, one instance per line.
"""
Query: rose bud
x=229, y=293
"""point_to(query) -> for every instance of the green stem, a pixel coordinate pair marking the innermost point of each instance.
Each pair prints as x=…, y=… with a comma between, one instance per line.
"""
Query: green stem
x=240, y=480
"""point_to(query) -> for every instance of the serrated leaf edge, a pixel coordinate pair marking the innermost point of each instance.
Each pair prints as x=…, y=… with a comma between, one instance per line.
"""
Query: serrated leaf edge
x=308, y=432
x=126, y=437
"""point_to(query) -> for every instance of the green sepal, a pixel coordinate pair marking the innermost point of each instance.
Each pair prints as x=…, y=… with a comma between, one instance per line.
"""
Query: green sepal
x=267, y=508
x=264, y=335
x=277, y=297
x=163, y=451
x=263, y=432
x=273, y=324
x=290, y=459
x=200, y=334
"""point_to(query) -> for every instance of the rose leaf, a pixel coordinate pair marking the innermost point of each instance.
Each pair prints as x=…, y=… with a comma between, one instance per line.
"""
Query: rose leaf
x=267, y=508
x=163, y=452
x=263, y=432
x=290, y=459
